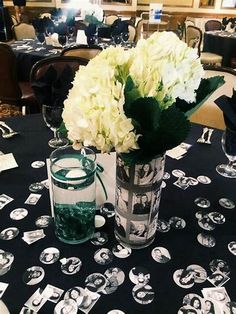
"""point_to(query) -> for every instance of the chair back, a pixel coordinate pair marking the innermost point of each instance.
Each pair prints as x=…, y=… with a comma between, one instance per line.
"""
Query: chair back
x=209, y=113
x=194, y=37
x=132, y=32
x=213, y=25
x=59, y=63
x=10, y=91
x=23, y=30
x=83, y=51
x=110, y=19
x=139, y=30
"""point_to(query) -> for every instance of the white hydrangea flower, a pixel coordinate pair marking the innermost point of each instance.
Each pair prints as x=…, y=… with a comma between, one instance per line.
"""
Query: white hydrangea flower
x=161, y=66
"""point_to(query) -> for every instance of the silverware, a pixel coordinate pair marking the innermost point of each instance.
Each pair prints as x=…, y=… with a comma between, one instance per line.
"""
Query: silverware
x=202, y=138
x=9, y=133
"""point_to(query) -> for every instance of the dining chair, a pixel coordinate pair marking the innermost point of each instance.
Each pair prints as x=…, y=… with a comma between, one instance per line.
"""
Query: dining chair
x=12, y=91
x=110, y=19
x=213, y=25
x=40, y=70
x=194, y=39
x=132, y=33
x=139, y=30
x=83, y=51
x=209, y=113
x=23, y=31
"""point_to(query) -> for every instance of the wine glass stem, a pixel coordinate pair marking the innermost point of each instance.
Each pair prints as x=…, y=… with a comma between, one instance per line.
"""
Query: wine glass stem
x=229, y=165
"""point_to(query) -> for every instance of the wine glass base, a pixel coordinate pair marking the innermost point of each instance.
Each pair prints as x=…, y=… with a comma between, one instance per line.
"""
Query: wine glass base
x=226, y=171
x=55, y=143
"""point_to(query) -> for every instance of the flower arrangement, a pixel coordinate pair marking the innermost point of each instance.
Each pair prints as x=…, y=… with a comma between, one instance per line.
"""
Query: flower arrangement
x=137, y=101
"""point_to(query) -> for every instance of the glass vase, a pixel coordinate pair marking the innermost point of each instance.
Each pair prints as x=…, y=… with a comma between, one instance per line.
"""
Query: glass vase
x=138, y=193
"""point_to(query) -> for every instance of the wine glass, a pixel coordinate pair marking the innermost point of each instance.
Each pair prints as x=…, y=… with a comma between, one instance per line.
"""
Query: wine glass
x=117, y=39
x=125, y=38
x=228, y=143
x=41, y=37
x=53, y=119
x=62, y=39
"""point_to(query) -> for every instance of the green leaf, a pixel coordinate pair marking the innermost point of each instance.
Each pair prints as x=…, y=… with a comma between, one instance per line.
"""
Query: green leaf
x=172, y=130
x=131, y=94
x=62, y=130
x=205, y=90
x=146, y=113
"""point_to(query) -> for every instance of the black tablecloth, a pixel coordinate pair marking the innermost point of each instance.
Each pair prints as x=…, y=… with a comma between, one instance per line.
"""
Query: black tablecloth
x=26, y=58
x=220, y=43
x=31, y=145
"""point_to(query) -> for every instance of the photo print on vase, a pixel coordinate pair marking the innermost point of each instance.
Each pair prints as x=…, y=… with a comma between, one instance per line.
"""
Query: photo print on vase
x=138, y=193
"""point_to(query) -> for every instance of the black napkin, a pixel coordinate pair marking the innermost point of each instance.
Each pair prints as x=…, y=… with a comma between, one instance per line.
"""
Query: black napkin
x=61, y=28
x=119, y=27
x=90, y=30
x=52, y=88
x=228, y=106
x=39, y=25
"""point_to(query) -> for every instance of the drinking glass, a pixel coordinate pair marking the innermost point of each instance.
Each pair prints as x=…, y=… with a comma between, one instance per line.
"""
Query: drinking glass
x=53, y=119
x=62, y=39
x=73, y=175
x=125, y=38
x=41, y=37
x=117, y=39
x=228, y=143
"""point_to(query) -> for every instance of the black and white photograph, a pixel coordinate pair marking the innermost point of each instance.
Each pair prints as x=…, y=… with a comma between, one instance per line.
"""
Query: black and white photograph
x=163, y=225
x=103, y=256
x=36, y=301
x=200, y=274
x=183, y=182
x=52, y=293
x=195, y=301
x=120, y=225
x=177, y=222
x=138, y=230
x=37, y=164
x=111, y=285
x=115, y=312
x=217, y=218
x=99, y=221
x=107, y=209
x=178, y=173
x=122, y=199
x=161, y=255
x=232, y=247
x=43, y=221
x=184, y=278
x=230, y=307
x=204, y=179
x=89, y=301
x=144, y=174
x=95, y=282
x=143, y=294
x=226, y=203
x=33, y=275
x=18, y=213
x=9, y=233
x=99, y=238
x=115, y=272
x=219, y=265
x=26, y=310
x=4, y=200
x=187, y=309
x=218, y=279
x=66, y=306
x=6, y=259
x=218, y=294
x=121, y=251
x=36, y=187
x=3, y=287
x=206, y=240
x=156, y=197
x=33, y=199
x=76, y=293
x=139, y=275
x=122, y=170
x=206, y=223
x=141, y=203
x=202, y=202
x=159, y=168
x=200, y=214
x=71, y=265
x=33, y=236
x=49, y=255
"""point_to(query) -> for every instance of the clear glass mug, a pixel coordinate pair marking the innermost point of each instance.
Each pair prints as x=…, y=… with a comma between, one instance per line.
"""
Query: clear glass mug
x=73, y=176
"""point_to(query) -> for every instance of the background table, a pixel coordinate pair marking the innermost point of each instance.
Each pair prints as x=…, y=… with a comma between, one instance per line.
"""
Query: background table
x=221, y=43
x=31, y=145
